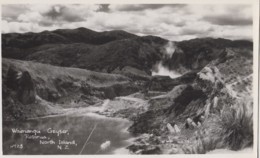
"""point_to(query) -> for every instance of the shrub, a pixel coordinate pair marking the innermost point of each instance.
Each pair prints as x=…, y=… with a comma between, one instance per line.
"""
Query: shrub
x=232, y=129
x=237, y=126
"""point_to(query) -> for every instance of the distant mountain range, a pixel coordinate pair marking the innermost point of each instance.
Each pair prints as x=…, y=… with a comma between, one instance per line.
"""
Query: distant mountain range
x=112, y=50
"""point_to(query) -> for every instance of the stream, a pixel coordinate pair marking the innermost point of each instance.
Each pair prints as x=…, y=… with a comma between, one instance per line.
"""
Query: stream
x=75, y=133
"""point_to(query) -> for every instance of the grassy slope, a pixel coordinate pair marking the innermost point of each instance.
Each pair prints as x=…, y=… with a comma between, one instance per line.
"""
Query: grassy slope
x=48, y=72
x=62, y=87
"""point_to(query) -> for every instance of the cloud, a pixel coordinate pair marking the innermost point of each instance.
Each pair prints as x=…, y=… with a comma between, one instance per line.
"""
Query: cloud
x=141, y=7
x=228, y=20
x=48, y=15
x=19, y=27
x=196, y=31
x=29, y=17
x=63, y=13
x=11, y=12
x=170, y=21
x=240, y=15
x=103, y=8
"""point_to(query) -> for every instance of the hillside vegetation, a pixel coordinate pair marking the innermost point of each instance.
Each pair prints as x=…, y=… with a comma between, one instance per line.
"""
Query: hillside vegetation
x=64, y=87
x=123, y=50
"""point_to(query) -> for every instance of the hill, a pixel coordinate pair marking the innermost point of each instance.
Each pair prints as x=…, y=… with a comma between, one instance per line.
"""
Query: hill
x=28, y=85
x=116, y=51
x=62, y=36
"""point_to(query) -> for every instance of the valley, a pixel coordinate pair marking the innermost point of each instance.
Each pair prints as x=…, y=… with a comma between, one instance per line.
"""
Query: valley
x=158, y=96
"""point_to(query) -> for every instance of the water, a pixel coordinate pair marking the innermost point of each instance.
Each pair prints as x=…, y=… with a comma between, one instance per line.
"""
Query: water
x=79, y=127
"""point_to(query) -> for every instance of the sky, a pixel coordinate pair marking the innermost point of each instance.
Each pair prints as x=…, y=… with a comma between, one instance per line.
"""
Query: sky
x=174, y=22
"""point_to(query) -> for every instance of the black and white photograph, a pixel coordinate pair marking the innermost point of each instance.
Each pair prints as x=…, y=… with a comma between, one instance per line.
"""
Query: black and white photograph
x=129, y=79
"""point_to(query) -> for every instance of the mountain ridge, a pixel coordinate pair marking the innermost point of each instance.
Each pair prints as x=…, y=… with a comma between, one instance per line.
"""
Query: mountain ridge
x=65, y=36
x=117, y=50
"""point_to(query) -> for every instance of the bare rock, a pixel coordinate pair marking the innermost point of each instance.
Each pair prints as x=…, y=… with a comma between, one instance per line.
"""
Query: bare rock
x=26, y=90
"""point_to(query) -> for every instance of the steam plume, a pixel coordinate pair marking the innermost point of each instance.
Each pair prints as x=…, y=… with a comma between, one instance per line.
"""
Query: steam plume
x=160, y=69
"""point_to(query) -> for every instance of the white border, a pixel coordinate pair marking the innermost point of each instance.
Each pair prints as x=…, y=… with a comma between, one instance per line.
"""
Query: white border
x=255, y=4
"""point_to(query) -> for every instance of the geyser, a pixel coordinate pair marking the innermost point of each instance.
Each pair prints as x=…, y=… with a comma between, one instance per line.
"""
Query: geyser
x=162, y=70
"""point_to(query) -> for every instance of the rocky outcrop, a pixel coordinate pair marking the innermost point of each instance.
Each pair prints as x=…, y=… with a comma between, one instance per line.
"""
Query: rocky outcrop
x=22, y=84
x=12, y=78
x=26, y=91
x=200, y=106
x=189, y=102
x=19, y=93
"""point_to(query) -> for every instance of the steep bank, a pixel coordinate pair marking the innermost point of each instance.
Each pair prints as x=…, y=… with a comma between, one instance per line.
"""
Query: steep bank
x=58, y=87
x=214, y=111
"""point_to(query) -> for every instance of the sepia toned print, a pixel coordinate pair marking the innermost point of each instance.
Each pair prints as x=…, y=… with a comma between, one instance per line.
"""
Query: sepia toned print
x=90, y=79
